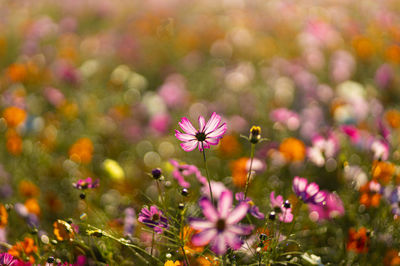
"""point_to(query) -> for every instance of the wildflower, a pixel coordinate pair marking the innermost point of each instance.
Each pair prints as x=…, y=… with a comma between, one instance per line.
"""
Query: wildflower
x=3, y=216
x=26, y=247
x=286, y=117
x=220, y=227
x=14, y=142
x=255, y=134
x=253, y=210
x=7, y=259
x=153, y=218
x=322, y=149
x=393, y=118
x=285, y=214
x=208, y=134
x=380, y=148
x=87, y=183
x=156, y=173
x=217, y=188
x=81, y=151
x=183, y=170
x=293, y=150
x=352, y=132
x=371, y=194
x=113, y=169
x=32, y=206
x=240, y=169
x=14, y=116
x=28, y=189
x=358, y=240
x=392, y=258
x=309, y=193
x=17, y=72
x=333, y=208
x=229, y=146
x=172, y=263
x=382, y=172
x=63, y=230
x=394, y=200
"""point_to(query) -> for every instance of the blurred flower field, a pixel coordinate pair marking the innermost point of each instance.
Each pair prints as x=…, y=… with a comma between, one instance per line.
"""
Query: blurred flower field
x=199, y=132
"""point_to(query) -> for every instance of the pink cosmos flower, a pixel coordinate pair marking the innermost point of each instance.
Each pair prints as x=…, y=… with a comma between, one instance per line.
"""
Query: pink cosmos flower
x=333, y=208
x=153, y=218
x=285, y=214
x=7, y=259
x=221, y=228
x=217, y=189
x=253, y=210
x=380, y=148
x=322, y=149
x=208, y=134
x=309, y=193
x=86, y=183
x=182, y=170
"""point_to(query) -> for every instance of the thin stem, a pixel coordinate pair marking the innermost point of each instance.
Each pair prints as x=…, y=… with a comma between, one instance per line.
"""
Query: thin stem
x=253, y=146
x=183, y=239
x=152, y=244
x=208, y=177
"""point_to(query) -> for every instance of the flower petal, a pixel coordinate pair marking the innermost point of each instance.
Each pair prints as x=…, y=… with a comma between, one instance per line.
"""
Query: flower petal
x=232, y=240
x=320, y=197
x=213, y=123
x=190, y=145
x=218, y=245
x=187, y=126
x=202, y=122
x=225, y=203
x=183, y=136
x=241, y=229
x=238, y=213
x=200, y=224
x=204, y=237
x=312, y=189
x=217, y=133
x=208, y=209
x=299, y=184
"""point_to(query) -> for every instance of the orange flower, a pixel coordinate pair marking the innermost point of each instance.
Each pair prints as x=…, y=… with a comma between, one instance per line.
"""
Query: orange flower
x=392, y=53
x=186, y=236
x=28, y=189
x=3, y=216
x=382, y=172
x=239, y=171
x=358, y=240
x=393, y=118
x=81, y=151
x=172, y=263
x=14, y=116
x=363, y=46
x=27, y=248
x=392, y=258
x=229, y=146
x=32, y=206
x=293, y=149
x=370, y=197
x=63, y=230
x=17, y=72
x=14, y=142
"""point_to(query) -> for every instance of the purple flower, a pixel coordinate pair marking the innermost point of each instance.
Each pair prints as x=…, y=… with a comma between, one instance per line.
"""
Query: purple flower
x=153, y=218
x=253, y=210
x=221, y=228
x=285, y=214
x=309, y=193
x=86, y=183
x=208, y=134
x=333, y=208
x=182, y=170
x=7, y=259
x=394, y=199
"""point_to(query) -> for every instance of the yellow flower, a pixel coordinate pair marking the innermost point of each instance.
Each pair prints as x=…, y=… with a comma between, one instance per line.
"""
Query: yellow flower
x=171, y=263
x=63, y=230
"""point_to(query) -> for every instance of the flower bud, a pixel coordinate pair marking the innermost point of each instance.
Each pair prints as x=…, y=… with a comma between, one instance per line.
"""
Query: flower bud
x=286, y=204
x=156, y=173
x=255, y=134
x=272, y=215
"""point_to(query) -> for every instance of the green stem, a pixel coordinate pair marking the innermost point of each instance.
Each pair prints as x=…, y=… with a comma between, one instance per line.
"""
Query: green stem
x=251, y=166
x=183, y=239
x=208, y=176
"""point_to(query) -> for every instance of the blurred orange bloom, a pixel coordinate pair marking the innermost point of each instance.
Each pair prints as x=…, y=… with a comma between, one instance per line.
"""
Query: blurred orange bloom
x=392, y=258
x=13, y=142
x=392, y=53
x=14, y=116
x=28, y=189
x=358, y=240
x=63, y=230
x=229, y=146
x=393, y=118
x=293, y=149
x=239, y=171
x=17, y=72
x=363, y=46
x=81, y=151
x=32, y=206
x=3, y=216
x=368, y=197
x=27, y=247
x=172, y=263
x=382, y=172
x=186, y=236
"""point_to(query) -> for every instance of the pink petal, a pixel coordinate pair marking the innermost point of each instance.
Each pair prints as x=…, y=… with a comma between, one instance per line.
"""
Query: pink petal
x=204, y=237
x=300, y=183
x=212, y=141
x=232, y=240
x=241, y=229
x=225, y=203
x=312, y=189
x=238, y=213
x=218, y=245
x=208, y=209
x=190, y=145
x=203, y=144
x=201, y=224
x=218, y=132
x=183, y=136
x=187, y=126
x=320, y=197
x=213, y=123
x=202, y=122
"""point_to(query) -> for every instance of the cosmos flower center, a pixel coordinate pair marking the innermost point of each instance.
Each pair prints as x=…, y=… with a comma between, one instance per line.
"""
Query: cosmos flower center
x=155, y=217
x=200, y=136
x=220, y=225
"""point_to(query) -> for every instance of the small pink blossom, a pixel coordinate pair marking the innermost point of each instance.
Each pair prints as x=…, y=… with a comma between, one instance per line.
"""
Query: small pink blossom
x=285, y=214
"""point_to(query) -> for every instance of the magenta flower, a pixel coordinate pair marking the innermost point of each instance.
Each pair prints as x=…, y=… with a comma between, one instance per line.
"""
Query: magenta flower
x=333, y=208
x=220, y=228
x=153, y=218
x=183, y=170
x=86, y=183
x=208, y=134
x=309, y=193
x=253, y=210
x=285, y=214
x=7, y=259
